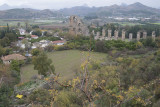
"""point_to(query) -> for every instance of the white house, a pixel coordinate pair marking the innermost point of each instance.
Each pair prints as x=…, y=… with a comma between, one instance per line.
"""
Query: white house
x=22, y=31
x=41, y=44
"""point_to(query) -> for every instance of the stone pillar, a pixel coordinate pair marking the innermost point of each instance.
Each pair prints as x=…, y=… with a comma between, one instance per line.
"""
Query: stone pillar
x=123, y=34
x=144, y=35
x=138, y=36
x=154, y=35
x=93, y=33
x=103, y=32
x=130, y=36
x=116, y=34
x=109, y=33
x=98, y=34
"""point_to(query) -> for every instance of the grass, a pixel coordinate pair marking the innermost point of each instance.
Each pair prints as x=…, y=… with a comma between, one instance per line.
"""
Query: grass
x=129, y=23
x=156, y=23
x=65, y=62
x=13, y=22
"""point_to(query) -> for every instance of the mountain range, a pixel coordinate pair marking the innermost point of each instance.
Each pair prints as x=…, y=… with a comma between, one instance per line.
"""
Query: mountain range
x=123, y=10
x=136, y=9
x=7, y=7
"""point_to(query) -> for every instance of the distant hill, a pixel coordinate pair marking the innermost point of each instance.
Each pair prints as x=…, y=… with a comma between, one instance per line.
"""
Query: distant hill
x=136, y=9
x=78, y=10
x=133, y=10
x=5, y=7
x=26, y=13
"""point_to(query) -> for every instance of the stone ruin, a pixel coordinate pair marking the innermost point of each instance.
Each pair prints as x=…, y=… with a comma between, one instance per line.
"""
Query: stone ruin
x=76, y=27
x=116, y=34
x=130, y=36
x=153, y=35
x=123, y=36
x=144, y=35
x=138, y=36
x=103, y=32
x=109, y=34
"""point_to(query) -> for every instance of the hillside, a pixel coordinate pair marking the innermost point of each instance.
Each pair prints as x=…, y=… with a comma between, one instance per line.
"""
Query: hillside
x=133, y=10
x=26, y=13
x=136, y=9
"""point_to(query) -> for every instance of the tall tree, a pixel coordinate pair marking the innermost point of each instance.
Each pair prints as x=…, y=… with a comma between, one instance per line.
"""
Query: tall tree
x=43, y=64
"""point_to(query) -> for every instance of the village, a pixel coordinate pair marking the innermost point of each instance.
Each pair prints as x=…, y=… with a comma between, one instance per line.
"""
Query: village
x=27, y=41
x=79, y=63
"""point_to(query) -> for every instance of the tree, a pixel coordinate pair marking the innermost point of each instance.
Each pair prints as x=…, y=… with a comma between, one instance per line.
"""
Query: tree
x=37, y=32
x=18, y=24
x=15, y=65
x=43, y=64
x=1, y=51
x=36, y=52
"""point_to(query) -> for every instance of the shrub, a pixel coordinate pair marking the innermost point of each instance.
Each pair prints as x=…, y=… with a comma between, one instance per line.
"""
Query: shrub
x=67, y=99
x=40, y=96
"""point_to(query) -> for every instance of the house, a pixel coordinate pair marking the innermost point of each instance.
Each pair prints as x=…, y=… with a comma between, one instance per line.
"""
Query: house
x=45, y=43
x=20, y=38
x=34, y=36
x=59, y=42
x=41, y=44
x=18, y=44
x=36, y=45
x=8, y=59
x=22, y=31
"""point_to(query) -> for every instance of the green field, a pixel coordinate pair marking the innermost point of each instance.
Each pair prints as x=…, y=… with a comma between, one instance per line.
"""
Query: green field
x=65, y=62
x=128, y=23
x=156, y=23
x=13, y=22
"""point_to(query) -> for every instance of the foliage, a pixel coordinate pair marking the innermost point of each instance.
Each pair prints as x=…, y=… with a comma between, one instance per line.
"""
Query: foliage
x=35, y=52
x=49, y=48
x=45, y=38
x=7, y=36
x=37, y=32
x=67, y=99
x=43, y=64
x=15, y=65
x=40, y=96
x=5, y=94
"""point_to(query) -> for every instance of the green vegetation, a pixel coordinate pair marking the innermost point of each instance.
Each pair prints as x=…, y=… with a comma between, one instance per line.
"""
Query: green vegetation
x=45, y=38
x=128, y=23
x=43, y=64
x=125, y=74
x=70, y=58
x=14, y=22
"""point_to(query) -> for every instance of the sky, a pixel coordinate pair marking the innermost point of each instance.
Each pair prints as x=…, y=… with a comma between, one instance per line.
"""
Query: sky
x=57, y=4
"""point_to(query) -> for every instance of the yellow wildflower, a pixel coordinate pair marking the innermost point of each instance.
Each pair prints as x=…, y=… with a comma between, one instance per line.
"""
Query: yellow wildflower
x=19, y=96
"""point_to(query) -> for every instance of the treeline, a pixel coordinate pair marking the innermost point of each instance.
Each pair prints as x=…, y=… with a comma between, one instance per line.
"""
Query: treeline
x=7, y=36
x=88, y=43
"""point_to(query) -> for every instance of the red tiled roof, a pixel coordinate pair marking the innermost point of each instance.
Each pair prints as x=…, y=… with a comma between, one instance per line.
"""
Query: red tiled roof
x=21, y=37
x=34, y=36
x=13, y=57
x=59, y=41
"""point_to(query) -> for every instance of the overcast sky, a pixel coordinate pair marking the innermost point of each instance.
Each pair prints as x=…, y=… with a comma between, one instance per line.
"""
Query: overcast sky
x=57, y=4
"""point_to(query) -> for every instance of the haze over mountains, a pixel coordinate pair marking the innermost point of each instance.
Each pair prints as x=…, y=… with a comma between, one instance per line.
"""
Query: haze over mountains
x=123, y=10
x=7, y=7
